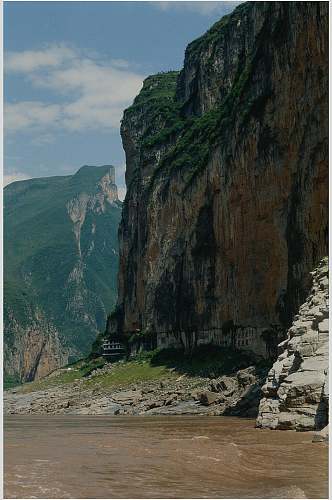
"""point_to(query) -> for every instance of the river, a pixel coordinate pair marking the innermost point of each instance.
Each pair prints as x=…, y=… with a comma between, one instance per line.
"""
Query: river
x=159, y=457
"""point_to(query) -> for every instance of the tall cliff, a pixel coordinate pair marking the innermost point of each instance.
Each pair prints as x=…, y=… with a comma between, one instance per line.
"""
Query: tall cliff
x=60, y=236
x=226, y=170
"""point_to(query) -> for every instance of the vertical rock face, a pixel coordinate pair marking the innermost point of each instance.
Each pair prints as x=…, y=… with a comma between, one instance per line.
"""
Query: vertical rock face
x=60, y=245
x=227, y=168
x=296, y=391
x=33, y=346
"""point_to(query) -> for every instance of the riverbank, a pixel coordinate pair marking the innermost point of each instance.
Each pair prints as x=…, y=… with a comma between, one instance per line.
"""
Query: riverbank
x=147, y=385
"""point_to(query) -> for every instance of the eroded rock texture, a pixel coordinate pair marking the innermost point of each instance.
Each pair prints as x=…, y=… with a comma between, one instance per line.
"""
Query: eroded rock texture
x=33, y=346
x=226, y=208
x=296, y=390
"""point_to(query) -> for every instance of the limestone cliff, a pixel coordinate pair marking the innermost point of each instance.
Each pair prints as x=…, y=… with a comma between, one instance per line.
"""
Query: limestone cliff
x=226, y=170
x=61, y=260
x=33, y=345
x=296, y=390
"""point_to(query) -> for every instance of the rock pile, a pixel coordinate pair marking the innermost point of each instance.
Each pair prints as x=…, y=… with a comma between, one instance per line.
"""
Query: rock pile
x=236, y=394
x=296, y=389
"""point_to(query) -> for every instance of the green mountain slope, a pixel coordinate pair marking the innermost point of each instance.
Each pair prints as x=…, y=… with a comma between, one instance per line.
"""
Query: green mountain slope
x=60, y=267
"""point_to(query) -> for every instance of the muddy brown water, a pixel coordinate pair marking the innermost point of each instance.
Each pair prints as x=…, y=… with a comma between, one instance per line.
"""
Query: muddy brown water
x=159, y=457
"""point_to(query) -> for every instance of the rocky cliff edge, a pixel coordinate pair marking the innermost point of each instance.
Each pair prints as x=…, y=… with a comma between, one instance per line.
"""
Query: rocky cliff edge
x=296, y=394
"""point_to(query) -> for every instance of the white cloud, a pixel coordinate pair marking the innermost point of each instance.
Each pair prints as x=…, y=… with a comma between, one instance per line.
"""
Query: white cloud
x=29, y=114
x=119, y=63
x=90, y=93
x=42, y=139
x=15, y=176
x=205, y=8
x=32, y=60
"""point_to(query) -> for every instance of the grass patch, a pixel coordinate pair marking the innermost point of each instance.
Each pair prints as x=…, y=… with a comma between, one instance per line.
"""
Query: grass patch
x=10, y=381
x=205, y=361
x=123, y=374
x=49, y=382
x=80, y=369
x=127, y=373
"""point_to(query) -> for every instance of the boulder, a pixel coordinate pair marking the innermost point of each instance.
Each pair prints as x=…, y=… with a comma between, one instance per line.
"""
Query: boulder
x=321, y=436
x=154, y=404
x=323, y=326
x=126, y=397
x=226, y=385
x=246, y=376
x=207, y=398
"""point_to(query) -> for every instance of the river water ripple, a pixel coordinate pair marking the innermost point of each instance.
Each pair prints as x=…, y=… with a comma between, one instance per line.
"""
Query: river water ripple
x=159, y=457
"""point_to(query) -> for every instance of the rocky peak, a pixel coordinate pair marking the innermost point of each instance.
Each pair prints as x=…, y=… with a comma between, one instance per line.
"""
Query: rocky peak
x=98, y=181
x=243, y=44
x=151, y=113
x=214, y=61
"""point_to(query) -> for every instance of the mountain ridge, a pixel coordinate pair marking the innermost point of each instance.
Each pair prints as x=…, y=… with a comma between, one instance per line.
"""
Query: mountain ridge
x=57, y=253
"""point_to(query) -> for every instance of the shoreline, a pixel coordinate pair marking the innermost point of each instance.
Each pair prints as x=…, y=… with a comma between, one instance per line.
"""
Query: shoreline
x=171, y=393
x=110, y=391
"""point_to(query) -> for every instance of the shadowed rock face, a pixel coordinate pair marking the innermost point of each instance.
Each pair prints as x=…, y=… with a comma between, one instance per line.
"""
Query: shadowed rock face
x=296, y=394
x=60, y=245
x=226, y=208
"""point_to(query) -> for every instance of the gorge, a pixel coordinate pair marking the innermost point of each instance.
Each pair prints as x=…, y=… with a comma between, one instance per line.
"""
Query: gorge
x=224, y=222
x=151, y=346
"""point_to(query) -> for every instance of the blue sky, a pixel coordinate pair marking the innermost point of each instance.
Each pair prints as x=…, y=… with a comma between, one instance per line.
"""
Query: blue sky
x=71, y=68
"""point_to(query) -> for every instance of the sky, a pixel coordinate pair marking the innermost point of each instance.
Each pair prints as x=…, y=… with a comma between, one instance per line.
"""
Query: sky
x=71, y=68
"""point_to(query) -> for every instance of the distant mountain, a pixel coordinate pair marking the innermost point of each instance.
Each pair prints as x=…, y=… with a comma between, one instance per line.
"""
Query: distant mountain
x=60, y=267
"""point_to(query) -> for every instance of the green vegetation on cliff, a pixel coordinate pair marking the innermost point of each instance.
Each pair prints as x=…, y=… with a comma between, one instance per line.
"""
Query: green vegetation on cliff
x=188, y=139
x=217, y=31
x=157, y=101
x=157, y=92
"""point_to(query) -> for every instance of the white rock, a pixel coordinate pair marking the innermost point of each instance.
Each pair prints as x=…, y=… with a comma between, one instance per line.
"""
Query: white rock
x=324, y=326
x=296, y=389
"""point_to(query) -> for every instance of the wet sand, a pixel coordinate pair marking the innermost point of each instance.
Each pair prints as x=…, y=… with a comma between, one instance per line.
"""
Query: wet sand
x=159, y=457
